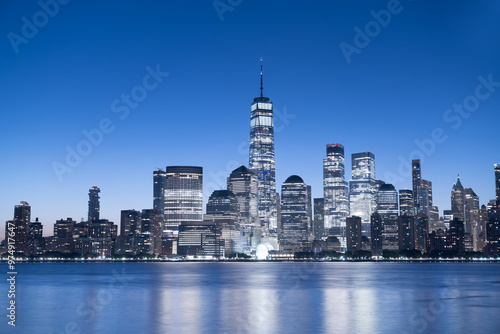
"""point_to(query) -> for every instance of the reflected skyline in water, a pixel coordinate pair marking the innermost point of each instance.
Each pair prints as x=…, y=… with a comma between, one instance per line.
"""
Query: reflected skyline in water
x=263, y=297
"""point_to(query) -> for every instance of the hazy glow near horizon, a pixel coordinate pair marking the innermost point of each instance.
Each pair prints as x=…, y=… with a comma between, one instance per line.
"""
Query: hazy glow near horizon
x=101, y=94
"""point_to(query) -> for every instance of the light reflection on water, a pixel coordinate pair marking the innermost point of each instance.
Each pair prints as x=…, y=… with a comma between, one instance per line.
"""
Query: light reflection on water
x=256, y=298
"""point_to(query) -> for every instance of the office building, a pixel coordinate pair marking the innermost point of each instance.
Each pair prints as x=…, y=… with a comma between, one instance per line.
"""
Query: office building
x=387, y=208
x=457, y=201
x=421, y=231
x=455, y=236
x=200, y=238
x=63, y=240
x=319, y=225
x=471, y=211
x=376, y=227
x=406, y=202
x=497, y=181
x=222, y=204
x=353, y=234
x=243, y=184
x=336, y=203
x=94, y=206
x=295, y=220
x=183, y=196
x=416, y=182
x=36, y=242
x=149, y=240
x=130, y=231
x=434, y=222
x=102, y=235
x=20, y=226
x=406, y=232
x=159, y=179
x=261, y=161
x=362, y=188
x=492, y=246
x=425, y=197
x=309, y=210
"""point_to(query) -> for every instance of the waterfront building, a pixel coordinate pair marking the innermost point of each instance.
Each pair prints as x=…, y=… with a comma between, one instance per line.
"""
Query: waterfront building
x=295, y=220
x=262, y=163
x=183, y=196
x=94, y=206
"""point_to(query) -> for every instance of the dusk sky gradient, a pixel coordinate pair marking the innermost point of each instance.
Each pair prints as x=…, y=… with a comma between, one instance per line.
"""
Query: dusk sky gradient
x=394, y=91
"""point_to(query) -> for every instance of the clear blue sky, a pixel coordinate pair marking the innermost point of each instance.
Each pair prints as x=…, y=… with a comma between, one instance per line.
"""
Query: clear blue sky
x=395, y=90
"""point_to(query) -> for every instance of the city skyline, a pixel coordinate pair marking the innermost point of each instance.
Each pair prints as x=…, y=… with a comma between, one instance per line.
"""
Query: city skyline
x=201, y=130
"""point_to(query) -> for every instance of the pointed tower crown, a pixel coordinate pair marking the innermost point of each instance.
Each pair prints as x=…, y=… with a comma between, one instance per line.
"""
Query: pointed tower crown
x=261, y=98
x=458, y=185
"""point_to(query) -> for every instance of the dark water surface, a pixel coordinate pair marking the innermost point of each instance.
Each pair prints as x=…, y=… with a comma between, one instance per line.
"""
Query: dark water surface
x=254, y=298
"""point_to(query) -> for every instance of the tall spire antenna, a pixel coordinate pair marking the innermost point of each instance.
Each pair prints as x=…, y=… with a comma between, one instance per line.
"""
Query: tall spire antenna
x=261, y=88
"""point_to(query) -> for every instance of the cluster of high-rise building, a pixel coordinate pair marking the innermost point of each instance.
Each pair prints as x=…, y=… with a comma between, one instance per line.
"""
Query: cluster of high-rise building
x=249, y=216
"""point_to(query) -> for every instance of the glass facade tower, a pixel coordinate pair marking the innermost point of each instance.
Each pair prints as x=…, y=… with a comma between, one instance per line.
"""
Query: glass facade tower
x=497, y=181
x=336, y=203
x=405, y=202
x=222, y=204
x=159, y=190
x=319, y=213
x=262, y=161
x=362, y=189
x=94, y=207
x=242, y=182
x=183, y=196
x=416, y=181
x=295, y=220
x=457, y=200
x=471, y=210
x=387, y=209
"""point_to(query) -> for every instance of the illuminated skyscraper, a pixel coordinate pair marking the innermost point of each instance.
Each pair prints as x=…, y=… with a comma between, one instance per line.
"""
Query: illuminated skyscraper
x=471, y=210
x=362, y=189
x=405, y=202
x=335, y=192
x=416, y=181
x=492, y=230
x=434, y=222
x=421, y=231
x=363, y=166
x=319, y=213
x=223, y=209
x=353, y=234
x=183, y=196
x=497, y=180
x=222, y=204
x=406, y=231
x=262, y=161
x=425, y=197
x=243, y=184
x=455, y=236
x=63, y=236
x=20, y=226
x=94, y=207
x=36, y=242
x=295, y=220
x=159, y=190
x=457, y=201
x=387, y=208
